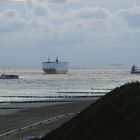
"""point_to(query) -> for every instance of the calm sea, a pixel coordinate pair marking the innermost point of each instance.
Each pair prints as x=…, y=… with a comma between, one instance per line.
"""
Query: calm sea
x=34, y=85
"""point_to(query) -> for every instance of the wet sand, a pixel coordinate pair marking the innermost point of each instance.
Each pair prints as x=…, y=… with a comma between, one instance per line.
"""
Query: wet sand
x=30, y=113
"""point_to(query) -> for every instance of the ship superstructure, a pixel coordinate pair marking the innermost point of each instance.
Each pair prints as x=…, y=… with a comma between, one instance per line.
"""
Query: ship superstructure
x=55, y=67
x=135, y=70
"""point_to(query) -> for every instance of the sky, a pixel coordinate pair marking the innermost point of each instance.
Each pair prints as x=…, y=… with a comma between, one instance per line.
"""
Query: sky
x=82, y=32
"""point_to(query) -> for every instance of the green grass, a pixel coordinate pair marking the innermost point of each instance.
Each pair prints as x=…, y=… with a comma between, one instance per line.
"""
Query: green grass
x=116, y=116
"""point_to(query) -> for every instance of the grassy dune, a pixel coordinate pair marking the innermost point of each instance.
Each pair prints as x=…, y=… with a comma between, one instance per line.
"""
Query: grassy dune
x=116, y=116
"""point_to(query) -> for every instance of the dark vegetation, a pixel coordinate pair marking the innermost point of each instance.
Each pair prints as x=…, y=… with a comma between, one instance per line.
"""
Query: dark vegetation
x=116, y=116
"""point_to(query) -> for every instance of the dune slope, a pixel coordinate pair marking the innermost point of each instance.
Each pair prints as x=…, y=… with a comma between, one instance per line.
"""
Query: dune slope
x=116, y=116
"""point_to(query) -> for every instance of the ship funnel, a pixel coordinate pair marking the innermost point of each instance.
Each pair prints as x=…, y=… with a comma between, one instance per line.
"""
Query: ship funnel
x=57, y=59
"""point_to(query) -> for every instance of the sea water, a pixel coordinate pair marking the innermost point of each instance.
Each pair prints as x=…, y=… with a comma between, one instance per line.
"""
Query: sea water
x=34, y=85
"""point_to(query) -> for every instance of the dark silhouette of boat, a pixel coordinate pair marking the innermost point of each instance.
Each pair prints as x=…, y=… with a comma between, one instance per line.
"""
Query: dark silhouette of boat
x=8, y=76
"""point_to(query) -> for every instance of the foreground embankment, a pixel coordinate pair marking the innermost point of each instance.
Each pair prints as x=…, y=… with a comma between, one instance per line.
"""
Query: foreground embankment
x=116, y=116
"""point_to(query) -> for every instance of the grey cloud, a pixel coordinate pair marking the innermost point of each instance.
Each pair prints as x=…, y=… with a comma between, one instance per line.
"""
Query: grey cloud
x=30, y=1
x=57, y=1
x=90, y=13
x=10, y=21
x=11, y=26
x=9, y=13
x=131, y=16
x=40, y=10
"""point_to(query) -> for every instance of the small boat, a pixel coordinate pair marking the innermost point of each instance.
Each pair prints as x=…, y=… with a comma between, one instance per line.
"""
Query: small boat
x=135, y=70
x=8, y=76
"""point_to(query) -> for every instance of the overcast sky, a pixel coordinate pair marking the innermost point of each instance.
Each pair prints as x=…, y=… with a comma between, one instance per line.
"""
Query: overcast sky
x=82, y=32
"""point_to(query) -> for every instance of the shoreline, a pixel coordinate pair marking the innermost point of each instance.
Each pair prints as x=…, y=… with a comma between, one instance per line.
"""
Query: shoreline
x=13, y=107
x=63, y=96
x=55, y=99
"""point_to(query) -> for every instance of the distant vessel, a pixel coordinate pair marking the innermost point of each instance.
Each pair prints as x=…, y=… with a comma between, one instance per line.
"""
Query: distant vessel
x=8, y=76
x=55, y=67
x=135, y=70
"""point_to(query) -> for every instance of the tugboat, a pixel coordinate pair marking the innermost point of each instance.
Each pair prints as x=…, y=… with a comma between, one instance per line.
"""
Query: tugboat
x=135, y=70
x=55, y=67
x=8, y=76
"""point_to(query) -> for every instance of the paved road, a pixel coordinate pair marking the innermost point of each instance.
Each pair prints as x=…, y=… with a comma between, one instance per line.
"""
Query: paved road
x=49, y=120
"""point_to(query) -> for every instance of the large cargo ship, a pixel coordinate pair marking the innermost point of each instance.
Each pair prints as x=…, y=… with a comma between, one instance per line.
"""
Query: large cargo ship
x=55, y=67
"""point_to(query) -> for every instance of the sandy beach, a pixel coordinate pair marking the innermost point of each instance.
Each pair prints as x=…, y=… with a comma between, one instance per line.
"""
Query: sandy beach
x=16, y=116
